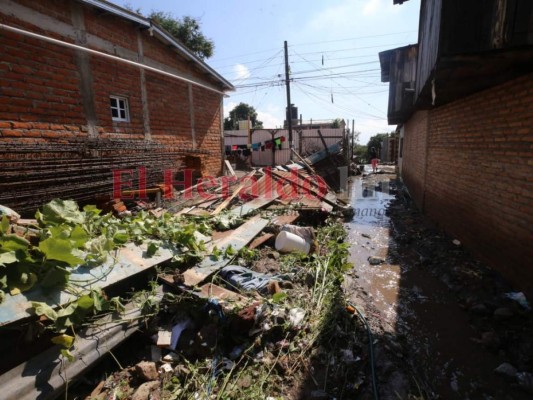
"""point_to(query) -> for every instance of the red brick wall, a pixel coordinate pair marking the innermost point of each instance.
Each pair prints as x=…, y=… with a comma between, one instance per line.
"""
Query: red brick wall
x=479, y=182
x=414, y=155
x=41, y=105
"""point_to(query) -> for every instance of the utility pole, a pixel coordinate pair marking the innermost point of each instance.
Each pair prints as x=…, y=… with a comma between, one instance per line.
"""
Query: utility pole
x=353, y=139
x=289, y=109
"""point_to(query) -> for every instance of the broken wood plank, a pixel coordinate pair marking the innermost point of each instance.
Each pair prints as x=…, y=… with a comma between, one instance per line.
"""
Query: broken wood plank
x=315, y=192
x=236, y=191
x=260, y=240
x=229, y=167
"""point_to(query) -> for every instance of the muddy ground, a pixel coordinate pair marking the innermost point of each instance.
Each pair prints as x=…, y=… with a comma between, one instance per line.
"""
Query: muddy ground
x=444, y=327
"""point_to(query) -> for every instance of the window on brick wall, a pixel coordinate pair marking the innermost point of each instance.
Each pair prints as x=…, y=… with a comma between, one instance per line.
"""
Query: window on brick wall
x=119, y=108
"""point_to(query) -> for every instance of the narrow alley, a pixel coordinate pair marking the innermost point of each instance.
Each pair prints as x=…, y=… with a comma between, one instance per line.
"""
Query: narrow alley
x=434, y=337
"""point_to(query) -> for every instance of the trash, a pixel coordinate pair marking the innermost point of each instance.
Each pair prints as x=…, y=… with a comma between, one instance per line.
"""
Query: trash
x=155, y=353
x=296, y=317
x=12, y=215
x=164, y=338
x=177, y=330
x=227, y=365
x=503, y=313
x=304, y=232
x=146, y=371
x=287, y=242
x=236, y=352
x=506, y=369
x=456, y=242
x=246, y=279
x=374, y=260
x=519, y=297
x=165, y=368
x=525, y=381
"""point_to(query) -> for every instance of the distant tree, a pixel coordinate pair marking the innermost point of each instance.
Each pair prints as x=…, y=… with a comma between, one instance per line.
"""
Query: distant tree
x=375, y=141
x=187, y=31
x=336, y=123
x=360, y=151
x=241, y=112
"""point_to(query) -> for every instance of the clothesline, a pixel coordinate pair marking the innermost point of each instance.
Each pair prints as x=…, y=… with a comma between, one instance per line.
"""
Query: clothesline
x=244, y=149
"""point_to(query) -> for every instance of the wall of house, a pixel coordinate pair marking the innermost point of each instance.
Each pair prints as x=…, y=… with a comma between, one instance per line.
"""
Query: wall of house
x=57, y=136
x=414, y=155
x=478, y=184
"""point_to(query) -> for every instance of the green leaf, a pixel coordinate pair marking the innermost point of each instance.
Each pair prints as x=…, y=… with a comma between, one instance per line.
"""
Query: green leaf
x=67, y=354
x=24, y=282
x=152, y=249
x=3, y=282
x=79, y=236
x=60, y=211
x=61, y=250
x=98, y=300
x=68, y=311
x=85, y=302
x=55, y=277
x=63, y=340
x=44, y=309
x=279, y=297
x=13, y=242
x=121, y=237
x=4, y=225
x=92, y=210
x=8, y=258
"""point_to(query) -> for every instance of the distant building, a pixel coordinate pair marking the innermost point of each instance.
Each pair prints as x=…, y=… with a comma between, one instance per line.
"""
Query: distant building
x=462, y=99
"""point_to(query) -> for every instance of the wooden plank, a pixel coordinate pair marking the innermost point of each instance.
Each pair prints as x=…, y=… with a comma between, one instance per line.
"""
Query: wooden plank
x=229, y=167
x=237, y=240
x=260, y=240
x=236, y=191
x=309, y=188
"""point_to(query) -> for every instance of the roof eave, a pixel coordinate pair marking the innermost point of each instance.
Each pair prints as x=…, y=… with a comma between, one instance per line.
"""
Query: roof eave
x=147, y=23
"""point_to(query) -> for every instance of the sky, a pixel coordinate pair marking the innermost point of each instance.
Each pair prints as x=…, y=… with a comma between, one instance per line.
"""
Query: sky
x=333, y=48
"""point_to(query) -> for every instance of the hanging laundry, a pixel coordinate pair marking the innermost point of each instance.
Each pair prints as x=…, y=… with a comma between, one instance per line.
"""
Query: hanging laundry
x=262, y=147
x=283, y=138
x=277, y=141
x=268, y=144
x=234, y=147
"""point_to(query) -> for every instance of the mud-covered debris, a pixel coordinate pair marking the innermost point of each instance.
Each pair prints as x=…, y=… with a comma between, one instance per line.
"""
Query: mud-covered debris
x=506, y=369
x=525, y=381
x=503, y=313
x=148, y=390
x=375, y=260
x=146, y=371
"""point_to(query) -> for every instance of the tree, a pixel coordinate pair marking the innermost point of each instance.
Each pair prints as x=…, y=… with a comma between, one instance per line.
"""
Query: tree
x=241, y=112
x=187, y=31
x=375, y=141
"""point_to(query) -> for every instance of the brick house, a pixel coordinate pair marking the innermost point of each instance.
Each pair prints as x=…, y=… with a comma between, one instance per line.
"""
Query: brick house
x=88, y=88
x=463, y=102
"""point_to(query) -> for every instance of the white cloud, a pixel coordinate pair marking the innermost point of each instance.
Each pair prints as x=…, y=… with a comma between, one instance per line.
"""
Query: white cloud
x=228, y=107
x=241, y=72
x=371, y=7
x=269, y=120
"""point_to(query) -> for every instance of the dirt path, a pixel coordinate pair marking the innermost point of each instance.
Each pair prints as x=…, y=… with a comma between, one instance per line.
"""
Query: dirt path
x=441, y=319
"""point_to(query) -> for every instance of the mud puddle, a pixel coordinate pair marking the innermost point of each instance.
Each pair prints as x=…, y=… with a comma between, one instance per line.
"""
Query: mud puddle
x=413, y=299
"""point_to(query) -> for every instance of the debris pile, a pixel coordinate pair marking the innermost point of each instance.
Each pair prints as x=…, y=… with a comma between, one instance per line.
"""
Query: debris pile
x=244, y=301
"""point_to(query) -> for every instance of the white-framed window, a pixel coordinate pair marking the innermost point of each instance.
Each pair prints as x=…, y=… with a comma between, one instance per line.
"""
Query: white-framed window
x=119, y=108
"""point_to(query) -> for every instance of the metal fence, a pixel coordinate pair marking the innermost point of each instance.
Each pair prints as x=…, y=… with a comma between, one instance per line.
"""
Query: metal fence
x=305, y=142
